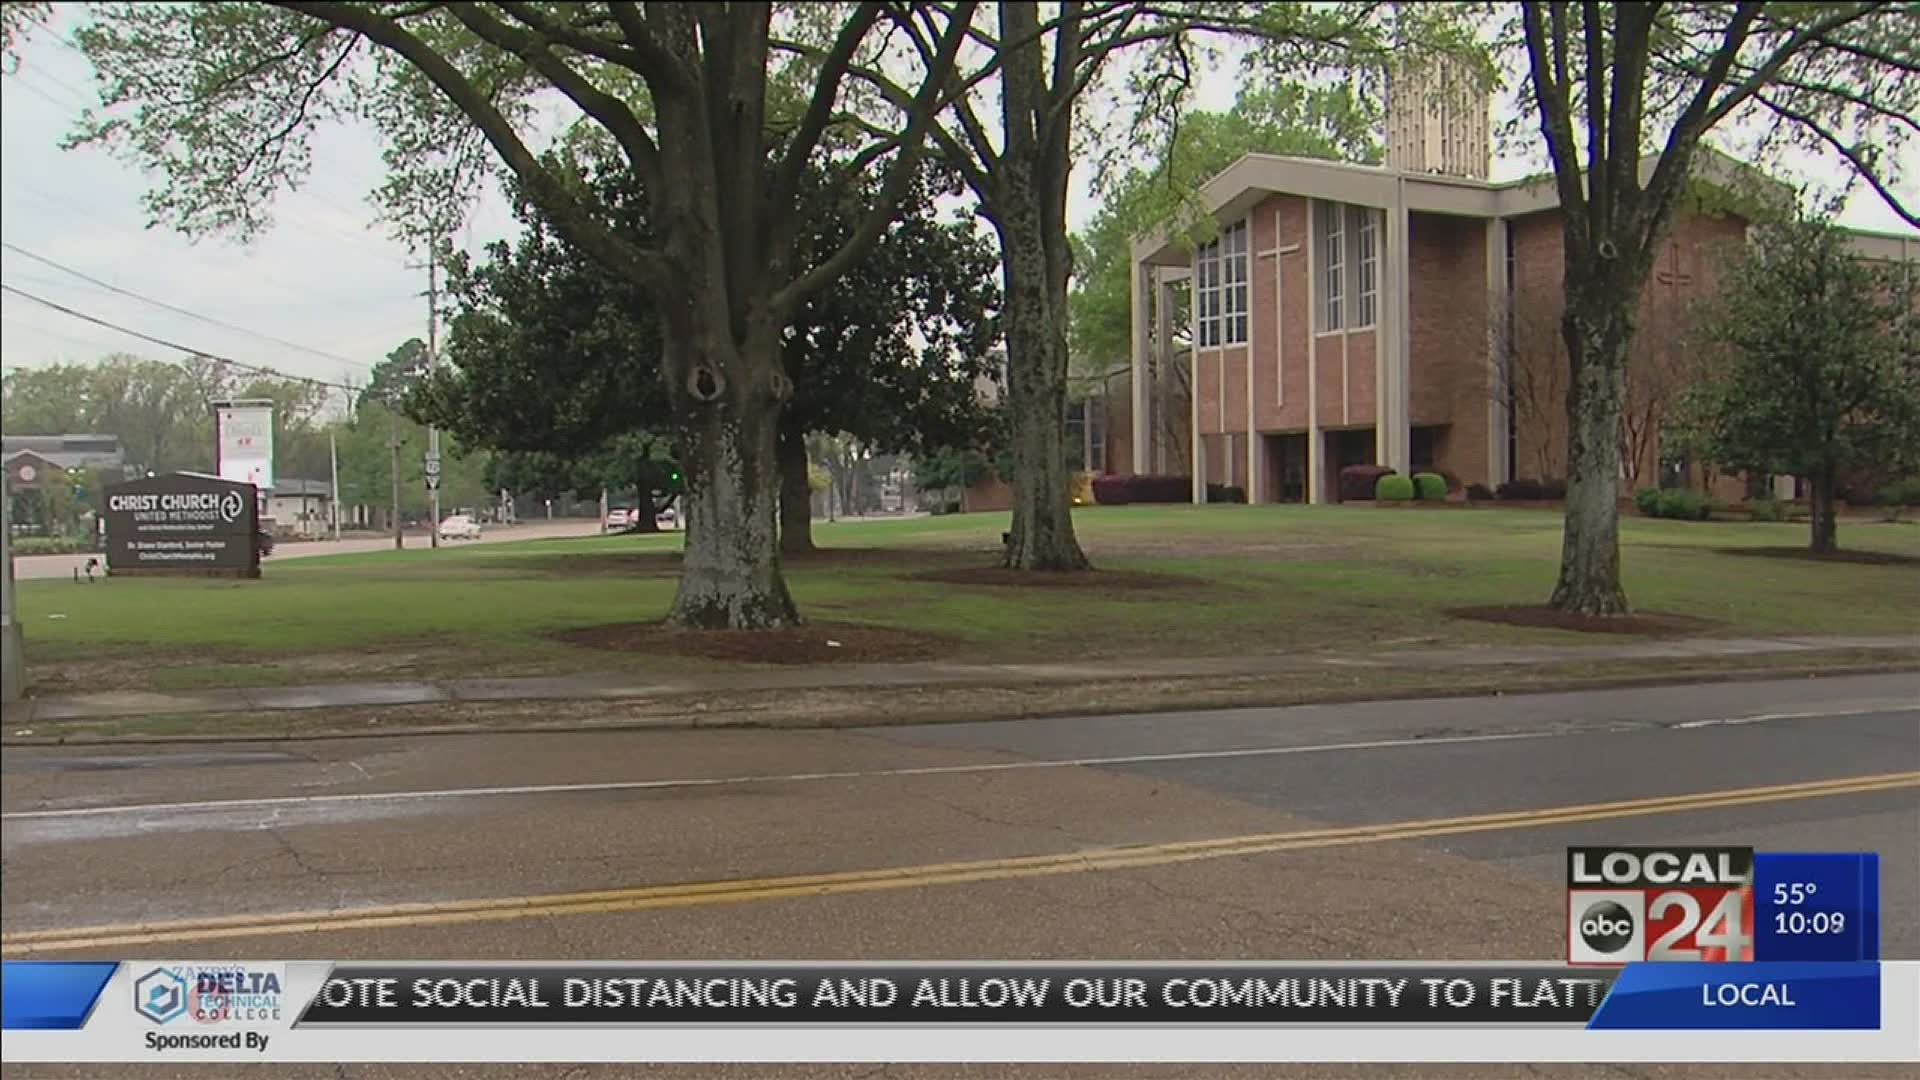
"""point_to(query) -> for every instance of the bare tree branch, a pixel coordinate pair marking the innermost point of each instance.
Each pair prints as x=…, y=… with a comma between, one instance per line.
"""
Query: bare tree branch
x=644, y=266
x=813, y=122
x=1867, y=169
x=900, y=174
x=1554, y=98
x=609, y=111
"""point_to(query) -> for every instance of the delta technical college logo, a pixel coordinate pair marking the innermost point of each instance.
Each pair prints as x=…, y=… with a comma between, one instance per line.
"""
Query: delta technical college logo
x=1629, y=904
x=161, y=995
x=213, y=994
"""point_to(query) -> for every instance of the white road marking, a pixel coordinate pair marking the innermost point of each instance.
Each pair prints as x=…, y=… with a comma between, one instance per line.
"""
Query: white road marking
x=216, y=805
x=1762, y=718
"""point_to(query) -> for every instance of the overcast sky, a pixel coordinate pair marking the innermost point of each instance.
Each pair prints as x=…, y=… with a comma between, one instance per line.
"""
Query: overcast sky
x=325, y=278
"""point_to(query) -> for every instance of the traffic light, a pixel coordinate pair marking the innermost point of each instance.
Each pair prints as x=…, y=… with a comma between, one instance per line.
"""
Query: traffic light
x=675, y=484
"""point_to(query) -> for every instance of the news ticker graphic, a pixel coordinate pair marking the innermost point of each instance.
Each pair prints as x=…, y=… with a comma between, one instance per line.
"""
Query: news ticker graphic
x=1720, y=904
x=315, y=1011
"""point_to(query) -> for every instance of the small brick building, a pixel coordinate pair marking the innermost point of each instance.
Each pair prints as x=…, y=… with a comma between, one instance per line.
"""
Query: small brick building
x=1405, y=315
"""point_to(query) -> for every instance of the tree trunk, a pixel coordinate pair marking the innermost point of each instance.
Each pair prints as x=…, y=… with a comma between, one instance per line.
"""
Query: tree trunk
x=1824, y=540
x=1042, y=537
x=1597, y=339
x=796, y=497
x=727, y=409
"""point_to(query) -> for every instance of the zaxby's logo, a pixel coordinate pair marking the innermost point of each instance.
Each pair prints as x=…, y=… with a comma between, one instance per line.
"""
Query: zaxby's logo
x=214, y=994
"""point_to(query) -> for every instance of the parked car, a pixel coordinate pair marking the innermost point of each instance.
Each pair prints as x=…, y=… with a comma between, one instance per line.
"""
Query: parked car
x=619, y=518
x=665, y=518
x=460, y=527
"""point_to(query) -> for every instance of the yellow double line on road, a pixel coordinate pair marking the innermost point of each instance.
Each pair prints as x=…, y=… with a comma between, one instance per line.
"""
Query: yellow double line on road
x=699, y=894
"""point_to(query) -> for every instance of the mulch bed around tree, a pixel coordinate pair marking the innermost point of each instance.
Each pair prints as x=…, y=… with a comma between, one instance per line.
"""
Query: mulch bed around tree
x=1539, y=616
x=1115, y=581
x=1844, y=555
x=812, y=643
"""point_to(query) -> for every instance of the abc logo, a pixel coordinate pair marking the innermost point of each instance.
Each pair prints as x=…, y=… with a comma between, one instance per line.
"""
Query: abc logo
x=1606, y=927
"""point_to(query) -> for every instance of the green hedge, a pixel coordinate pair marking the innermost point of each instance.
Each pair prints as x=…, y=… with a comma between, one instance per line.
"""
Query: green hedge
x=1429, y=486
x=1768, y=509
x=1672, y=503
x=49, y=545
x=1899, y=493
x=1393, y=488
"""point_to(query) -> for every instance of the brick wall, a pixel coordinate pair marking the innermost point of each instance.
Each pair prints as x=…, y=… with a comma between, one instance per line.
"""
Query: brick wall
x=1447, y=325
x=1281, y=342
x=1685, y=273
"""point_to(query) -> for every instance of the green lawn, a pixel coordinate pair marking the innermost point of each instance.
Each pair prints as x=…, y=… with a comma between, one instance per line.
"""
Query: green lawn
x=1263, y=579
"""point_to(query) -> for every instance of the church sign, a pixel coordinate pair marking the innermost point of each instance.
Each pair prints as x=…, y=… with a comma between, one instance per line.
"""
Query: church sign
x=183, y=523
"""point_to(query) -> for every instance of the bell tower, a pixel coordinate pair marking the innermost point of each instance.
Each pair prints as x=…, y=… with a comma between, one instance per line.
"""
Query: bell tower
x=1437, y=119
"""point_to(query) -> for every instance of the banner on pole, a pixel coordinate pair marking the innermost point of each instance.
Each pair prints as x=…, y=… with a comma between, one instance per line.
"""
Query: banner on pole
x=244, y=437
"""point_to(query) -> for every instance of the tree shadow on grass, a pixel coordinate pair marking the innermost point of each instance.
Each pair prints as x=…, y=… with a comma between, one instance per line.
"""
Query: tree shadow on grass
x=1854, y=556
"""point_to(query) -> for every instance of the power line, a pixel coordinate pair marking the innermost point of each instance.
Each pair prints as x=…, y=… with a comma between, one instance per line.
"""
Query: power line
x=64, y=106
x=11, y=246
x=176, y=346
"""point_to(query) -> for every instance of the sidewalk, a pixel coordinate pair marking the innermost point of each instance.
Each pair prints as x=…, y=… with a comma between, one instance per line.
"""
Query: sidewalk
x=620, y=686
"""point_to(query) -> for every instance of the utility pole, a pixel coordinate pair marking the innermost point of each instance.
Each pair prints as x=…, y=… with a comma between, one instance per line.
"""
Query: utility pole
x=13, y=664
x=393, y=441
x=433, y=361
x=333, y=469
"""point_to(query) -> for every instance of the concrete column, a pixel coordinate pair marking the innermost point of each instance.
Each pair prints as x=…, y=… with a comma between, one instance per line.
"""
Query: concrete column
x=1499, y=295
x=1253, y=353
x=1162, y=341
x=1393, y=437
x=1140, y=277
x=1199, y=453
x=1316, y=485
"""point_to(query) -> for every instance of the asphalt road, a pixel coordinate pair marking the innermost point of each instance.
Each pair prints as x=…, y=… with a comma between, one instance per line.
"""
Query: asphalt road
x=62, y=566
x=219, y=843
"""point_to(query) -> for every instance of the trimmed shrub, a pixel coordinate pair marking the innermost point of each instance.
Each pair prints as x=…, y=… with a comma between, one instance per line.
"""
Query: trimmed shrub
x=1124, y=488
x=1359, y=481
x=1675, y=503
x=50, y=545
x=1899, y=493
x=1429, y=486
x=1226, y=493
x=1523, y=490
x=1479, y=492
x=1767, y=509
x=1393, y=488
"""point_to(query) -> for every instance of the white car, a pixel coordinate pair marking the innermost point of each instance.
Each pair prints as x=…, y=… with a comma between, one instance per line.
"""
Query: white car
x=619, y=518
x=460, y=527
x=666, y=518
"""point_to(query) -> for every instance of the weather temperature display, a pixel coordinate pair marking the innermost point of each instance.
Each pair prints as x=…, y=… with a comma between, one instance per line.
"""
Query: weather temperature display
x=1823, y=906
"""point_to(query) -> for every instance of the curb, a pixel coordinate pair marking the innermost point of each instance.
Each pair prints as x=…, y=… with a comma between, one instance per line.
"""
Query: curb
x=723, y=720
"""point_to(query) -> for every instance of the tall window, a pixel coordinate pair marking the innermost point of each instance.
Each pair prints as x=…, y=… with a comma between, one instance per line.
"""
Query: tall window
x=1220, y=275
x=1367, y=263
x=1236, y=272
x=1206, y=295
x=1332, y=266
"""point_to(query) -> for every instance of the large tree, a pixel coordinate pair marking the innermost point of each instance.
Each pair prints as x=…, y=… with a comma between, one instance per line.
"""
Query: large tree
x=1610, y=83
x=1821, y=372
x=1014, y=139
x=222, y=99
x=552, y=354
